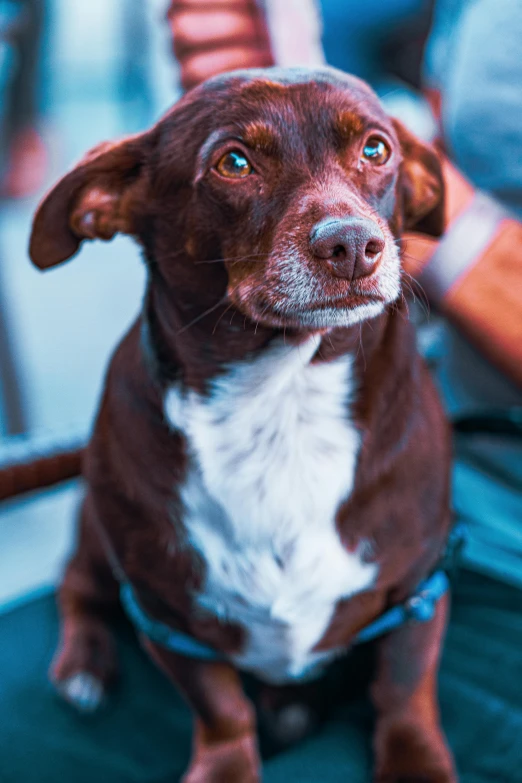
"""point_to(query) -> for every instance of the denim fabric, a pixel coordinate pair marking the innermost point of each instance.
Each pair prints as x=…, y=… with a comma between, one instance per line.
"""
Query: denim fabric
x=474, y=57
x=487, y=471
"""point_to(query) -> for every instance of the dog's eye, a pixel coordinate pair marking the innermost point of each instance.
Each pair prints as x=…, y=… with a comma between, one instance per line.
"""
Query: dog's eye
x=376, y=151
x=234, y=165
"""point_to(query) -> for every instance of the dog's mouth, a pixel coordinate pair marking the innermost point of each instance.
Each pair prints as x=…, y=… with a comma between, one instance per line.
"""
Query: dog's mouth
x=342, y=303
x=321, y=313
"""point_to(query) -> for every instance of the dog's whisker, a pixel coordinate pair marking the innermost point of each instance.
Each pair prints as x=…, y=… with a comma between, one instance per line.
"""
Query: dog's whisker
x=417, y=292
x=252, y=258
x=202, y=315
x=225, y=311
x=265, y=309
x=175, y=253
x=228, y=294
x=412, y=257
x=361, y=346
x=415, y=282
x=407, y=303
x=396, y=307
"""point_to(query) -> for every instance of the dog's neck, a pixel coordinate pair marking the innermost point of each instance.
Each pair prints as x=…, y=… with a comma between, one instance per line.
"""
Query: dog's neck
x=195, y=343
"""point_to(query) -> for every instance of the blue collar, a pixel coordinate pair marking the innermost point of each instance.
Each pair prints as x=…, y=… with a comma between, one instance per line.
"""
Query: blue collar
x=419, y=608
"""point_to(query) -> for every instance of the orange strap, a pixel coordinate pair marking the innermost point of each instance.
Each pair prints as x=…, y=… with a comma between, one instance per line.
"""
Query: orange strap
x=465, y=240
x=486, y=302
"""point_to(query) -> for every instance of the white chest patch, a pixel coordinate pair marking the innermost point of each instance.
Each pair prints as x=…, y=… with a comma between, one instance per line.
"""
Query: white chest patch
x=273, y=454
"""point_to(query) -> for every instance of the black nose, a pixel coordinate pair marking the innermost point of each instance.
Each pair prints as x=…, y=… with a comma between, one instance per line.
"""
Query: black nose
x=351, y=247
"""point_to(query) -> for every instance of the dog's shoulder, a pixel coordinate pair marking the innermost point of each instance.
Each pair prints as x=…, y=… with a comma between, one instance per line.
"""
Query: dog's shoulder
x=131, y=434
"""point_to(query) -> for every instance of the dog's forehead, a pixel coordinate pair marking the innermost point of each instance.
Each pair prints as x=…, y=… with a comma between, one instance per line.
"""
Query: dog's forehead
x=289, y=78
x=274, y=95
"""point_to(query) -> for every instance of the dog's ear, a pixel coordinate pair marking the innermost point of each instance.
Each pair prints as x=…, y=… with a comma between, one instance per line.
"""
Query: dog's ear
x=103, y=195
x=421, y=185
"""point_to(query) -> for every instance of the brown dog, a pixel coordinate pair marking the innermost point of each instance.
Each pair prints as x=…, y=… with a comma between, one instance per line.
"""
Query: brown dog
x=269, y=468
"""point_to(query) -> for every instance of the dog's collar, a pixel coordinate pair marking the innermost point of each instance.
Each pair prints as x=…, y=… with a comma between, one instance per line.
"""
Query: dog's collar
x=419, y=608
x=162, y=634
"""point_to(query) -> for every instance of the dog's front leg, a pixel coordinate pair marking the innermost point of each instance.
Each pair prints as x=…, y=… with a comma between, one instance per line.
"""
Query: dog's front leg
x=225, y=743
x=409, y=744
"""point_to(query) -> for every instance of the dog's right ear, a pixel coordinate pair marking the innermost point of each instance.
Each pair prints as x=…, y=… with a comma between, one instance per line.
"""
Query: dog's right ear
x=421, y=184
x=103, y=195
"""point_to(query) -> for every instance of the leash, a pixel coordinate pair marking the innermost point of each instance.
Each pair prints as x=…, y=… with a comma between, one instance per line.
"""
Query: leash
x=420, y=607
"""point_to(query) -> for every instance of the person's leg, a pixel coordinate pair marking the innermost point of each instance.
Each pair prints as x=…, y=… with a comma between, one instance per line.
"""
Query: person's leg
x=481, y=96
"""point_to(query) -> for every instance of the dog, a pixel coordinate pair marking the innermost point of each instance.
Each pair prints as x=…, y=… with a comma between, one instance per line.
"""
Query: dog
x=268, y=473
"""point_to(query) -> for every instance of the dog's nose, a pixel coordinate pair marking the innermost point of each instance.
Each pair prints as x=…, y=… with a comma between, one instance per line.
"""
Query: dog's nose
x=351, y=247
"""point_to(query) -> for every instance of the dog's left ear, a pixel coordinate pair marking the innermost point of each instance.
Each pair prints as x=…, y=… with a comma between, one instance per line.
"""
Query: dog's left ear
x=421, y=185
x=103, y=195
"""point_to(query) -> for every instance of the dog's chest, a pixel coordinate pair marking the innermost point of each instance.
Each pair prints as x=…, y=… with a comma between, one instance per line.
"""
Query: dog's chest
x=273, y=454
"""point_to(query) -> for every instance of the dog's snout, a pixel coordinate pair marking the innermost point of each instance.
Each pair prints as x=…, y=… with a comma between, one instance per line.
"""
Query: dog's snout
x=351, y=247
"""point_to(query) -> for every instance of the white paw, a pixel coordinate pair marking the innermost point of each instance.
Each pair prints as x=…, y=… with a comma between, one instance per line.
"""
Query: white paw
x=83, y=690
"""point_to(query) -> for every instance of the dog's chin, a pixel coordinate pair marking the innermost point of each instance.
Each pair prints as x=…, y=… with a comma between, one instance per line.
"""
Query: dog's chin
x=331, y=317
x=315, y=317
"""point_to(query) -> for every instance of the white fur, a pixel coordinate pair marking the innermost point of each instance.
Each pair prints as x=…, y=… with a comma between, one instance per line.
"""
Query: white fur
x=328, y=317
x=273, y=454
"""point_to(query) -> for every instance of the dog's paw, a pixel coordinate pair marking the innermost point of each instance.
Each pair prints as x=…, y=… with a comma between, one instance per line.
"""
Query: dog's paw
x=83, y=691
x=85, y=666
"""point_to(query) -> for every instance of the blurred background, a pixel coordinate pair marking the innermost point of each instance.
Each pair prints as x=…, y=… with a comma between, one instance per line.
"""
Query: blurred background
x=72, y=74
x=76, y=73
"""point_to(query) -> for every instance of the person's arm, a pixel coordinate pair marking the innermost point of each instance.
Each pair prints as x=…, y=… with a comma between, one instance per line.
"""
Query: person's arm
x=474, y=274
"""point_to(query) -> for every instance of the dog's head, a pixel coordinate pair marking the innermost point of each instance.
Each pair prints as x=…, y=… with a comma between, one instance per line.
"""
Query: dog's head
x=284, y=191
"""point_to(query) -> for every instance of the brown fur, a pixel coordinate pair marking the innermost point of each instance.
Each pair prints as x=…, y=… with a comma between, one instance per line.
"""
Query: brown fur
x=201, y=313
